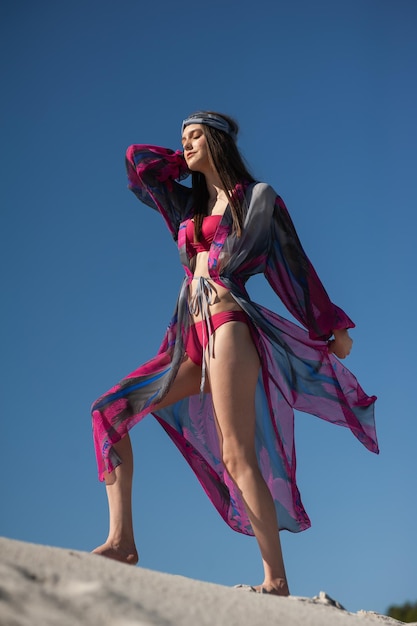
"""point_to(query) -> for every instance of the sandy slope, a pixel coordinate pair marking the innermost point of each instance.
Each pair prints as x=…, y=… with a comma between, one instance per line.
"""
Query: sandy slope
x=44, y=586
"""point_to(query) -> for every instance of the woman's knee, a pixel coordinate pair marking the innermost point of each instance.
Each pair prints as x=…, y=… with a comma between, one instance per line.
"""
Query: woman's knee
x=238, y=461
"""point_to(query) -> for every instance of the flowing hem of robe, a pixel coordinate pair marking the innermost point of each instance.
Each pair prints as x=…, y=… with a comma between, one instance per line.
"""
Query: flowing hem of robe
x=296, y=372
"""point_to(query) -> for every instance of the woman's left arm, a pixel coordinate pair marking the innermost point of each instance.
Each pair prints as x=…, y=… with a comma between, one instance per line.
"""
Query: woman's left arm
x=341, y=345
x=294, y=279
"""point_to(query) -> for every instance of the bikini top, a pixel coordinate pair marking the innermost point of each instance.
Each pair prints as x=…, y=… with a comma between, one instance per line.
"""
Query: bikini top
x=208, y=231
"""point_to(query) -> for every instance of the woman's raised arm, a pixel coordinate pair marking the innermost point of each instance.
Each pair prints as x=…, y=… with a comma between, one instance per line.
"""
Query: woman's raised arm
x=152, y=174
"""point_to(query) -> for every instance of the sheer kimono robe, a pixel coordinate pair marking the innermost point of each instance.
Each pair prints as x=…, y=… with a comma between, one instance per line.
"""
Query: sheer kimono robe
x=297, y=371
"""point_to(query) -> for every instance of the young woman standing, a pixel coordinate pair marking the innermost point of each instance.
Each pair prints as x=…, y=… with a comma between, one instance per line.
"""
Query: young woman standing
x=230, y=372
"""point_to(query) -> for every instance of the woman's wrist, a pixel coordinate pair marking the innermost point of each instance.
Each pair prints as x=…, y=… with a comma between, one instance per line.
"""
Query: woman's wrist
x=340, y=332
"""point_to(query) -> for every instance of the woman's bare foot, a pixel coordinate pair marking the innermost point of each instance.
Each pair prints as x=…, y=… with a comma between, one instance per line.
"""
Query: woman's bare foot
x=277, y=587
x=118, y=552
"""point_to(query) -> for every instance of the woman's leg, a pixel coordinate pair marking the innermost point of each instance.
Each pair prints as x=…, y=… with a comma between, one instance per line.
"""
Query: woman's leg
x=120, y=544
x=233, y=373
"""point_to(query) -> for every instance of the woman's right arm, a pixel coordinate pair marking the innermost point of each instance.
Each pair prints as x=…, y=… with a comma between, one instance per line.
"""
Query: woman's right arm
x=152, y=174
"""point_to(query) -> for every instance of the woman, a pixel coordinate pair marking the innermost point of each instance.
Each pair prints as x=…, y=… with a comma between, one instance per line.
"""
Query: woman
x=230, y=372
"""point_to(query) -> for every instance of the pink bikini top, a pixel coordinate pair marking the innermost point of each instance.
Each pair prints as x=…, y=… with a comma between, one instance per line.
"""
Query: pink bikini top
x=208, y=231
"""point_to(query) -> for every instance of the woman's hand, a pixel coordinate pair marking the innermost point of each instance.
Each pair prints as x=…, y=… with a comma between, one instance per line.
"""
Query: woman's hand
x=341, y=345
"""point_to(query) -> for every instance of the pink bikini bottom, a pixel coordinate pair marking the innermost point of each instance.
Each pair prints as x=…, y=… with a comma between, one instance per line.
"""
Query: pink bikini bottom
x=198, y=338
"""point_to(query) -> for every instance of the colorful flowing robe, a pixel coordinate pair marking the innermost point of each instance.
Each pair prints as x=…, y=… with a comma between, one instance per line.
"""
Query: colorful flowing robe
x=297, y=371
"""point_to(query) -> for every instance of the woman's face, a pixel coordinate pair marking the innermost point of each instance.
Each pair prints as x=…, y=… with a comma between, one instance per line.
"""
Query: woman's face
x=195, y=148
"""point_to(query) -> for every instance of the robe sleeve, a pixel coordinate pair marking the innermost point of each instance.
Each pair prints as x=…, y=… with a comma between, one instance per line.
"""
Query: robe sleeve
x=294, y=279
x=152, y=174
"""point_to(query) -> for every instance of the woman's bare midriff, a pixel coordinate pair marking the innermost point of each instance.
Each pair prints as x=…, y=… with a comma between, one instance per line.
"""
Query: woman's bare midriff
x=222, y=301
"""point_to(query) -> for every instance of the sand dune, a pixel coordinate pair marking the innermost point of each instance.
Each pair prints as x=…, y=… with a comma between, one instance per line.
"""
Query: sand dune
x=45, y=586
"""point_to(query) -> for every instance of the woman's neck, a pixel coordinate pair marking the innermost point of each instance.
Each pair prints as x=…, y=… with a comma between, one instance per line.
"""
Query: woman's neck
x=214, y=188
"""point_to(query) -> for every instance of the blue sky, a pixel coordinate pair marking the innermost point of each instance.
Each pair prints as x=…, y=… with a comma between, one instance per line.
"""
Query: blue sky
x=326, y=96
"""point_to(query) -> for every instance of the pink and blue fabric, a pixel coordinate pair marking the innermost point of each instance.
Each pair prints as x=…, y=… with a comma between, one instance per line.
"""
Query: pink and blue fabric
x=297, y=372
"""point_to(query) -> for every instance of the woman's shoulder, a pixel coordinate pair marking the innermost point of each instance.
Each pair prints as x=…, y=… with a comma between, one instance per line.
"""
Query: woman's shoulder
x=259, y=191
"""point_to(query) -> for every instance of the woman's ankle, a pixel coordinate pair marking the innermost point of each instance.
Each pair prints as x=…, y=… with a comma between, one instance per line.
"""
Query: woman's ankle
x=277, y=586
x=123, y=552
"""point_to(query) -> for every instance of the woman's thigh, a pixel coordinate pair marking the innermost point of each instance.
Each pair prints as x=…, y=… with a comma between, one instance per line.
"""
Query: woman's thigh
x=233, y=374
x=186, y=383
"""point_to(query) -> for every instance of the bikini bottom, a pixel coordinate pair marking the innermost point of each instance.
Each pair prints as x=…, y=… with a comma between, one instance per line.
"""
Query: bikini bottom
x=198, y=338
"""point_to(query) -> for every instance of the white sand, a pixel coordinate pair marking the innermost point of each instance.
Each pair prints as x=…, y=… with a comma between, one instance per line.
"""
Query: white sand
x=45, y=586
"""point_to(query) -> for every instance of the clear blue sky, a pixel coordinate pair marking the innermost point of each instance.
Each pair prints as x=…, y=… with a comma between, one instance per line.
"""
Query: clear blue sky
x=326, y=96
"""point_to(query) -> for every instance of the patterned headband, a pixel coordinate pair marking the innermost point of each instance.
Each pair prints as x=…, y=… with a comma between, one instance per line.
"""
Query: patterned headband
x=210, y=119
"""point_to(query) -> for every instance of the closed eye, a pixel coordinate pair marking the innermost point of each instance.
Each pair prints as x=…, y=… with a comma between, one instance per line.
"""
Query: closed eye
x=195, y=134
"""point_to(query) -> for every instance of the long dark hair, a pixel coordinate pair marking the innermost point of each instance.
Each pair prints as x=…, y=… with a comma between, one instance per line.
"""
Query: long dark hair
x=231, y=169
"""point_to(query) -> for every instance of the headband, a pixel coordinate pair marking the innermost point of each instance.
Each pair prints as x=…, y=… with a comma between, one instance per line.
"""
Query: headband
x=210, y=119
